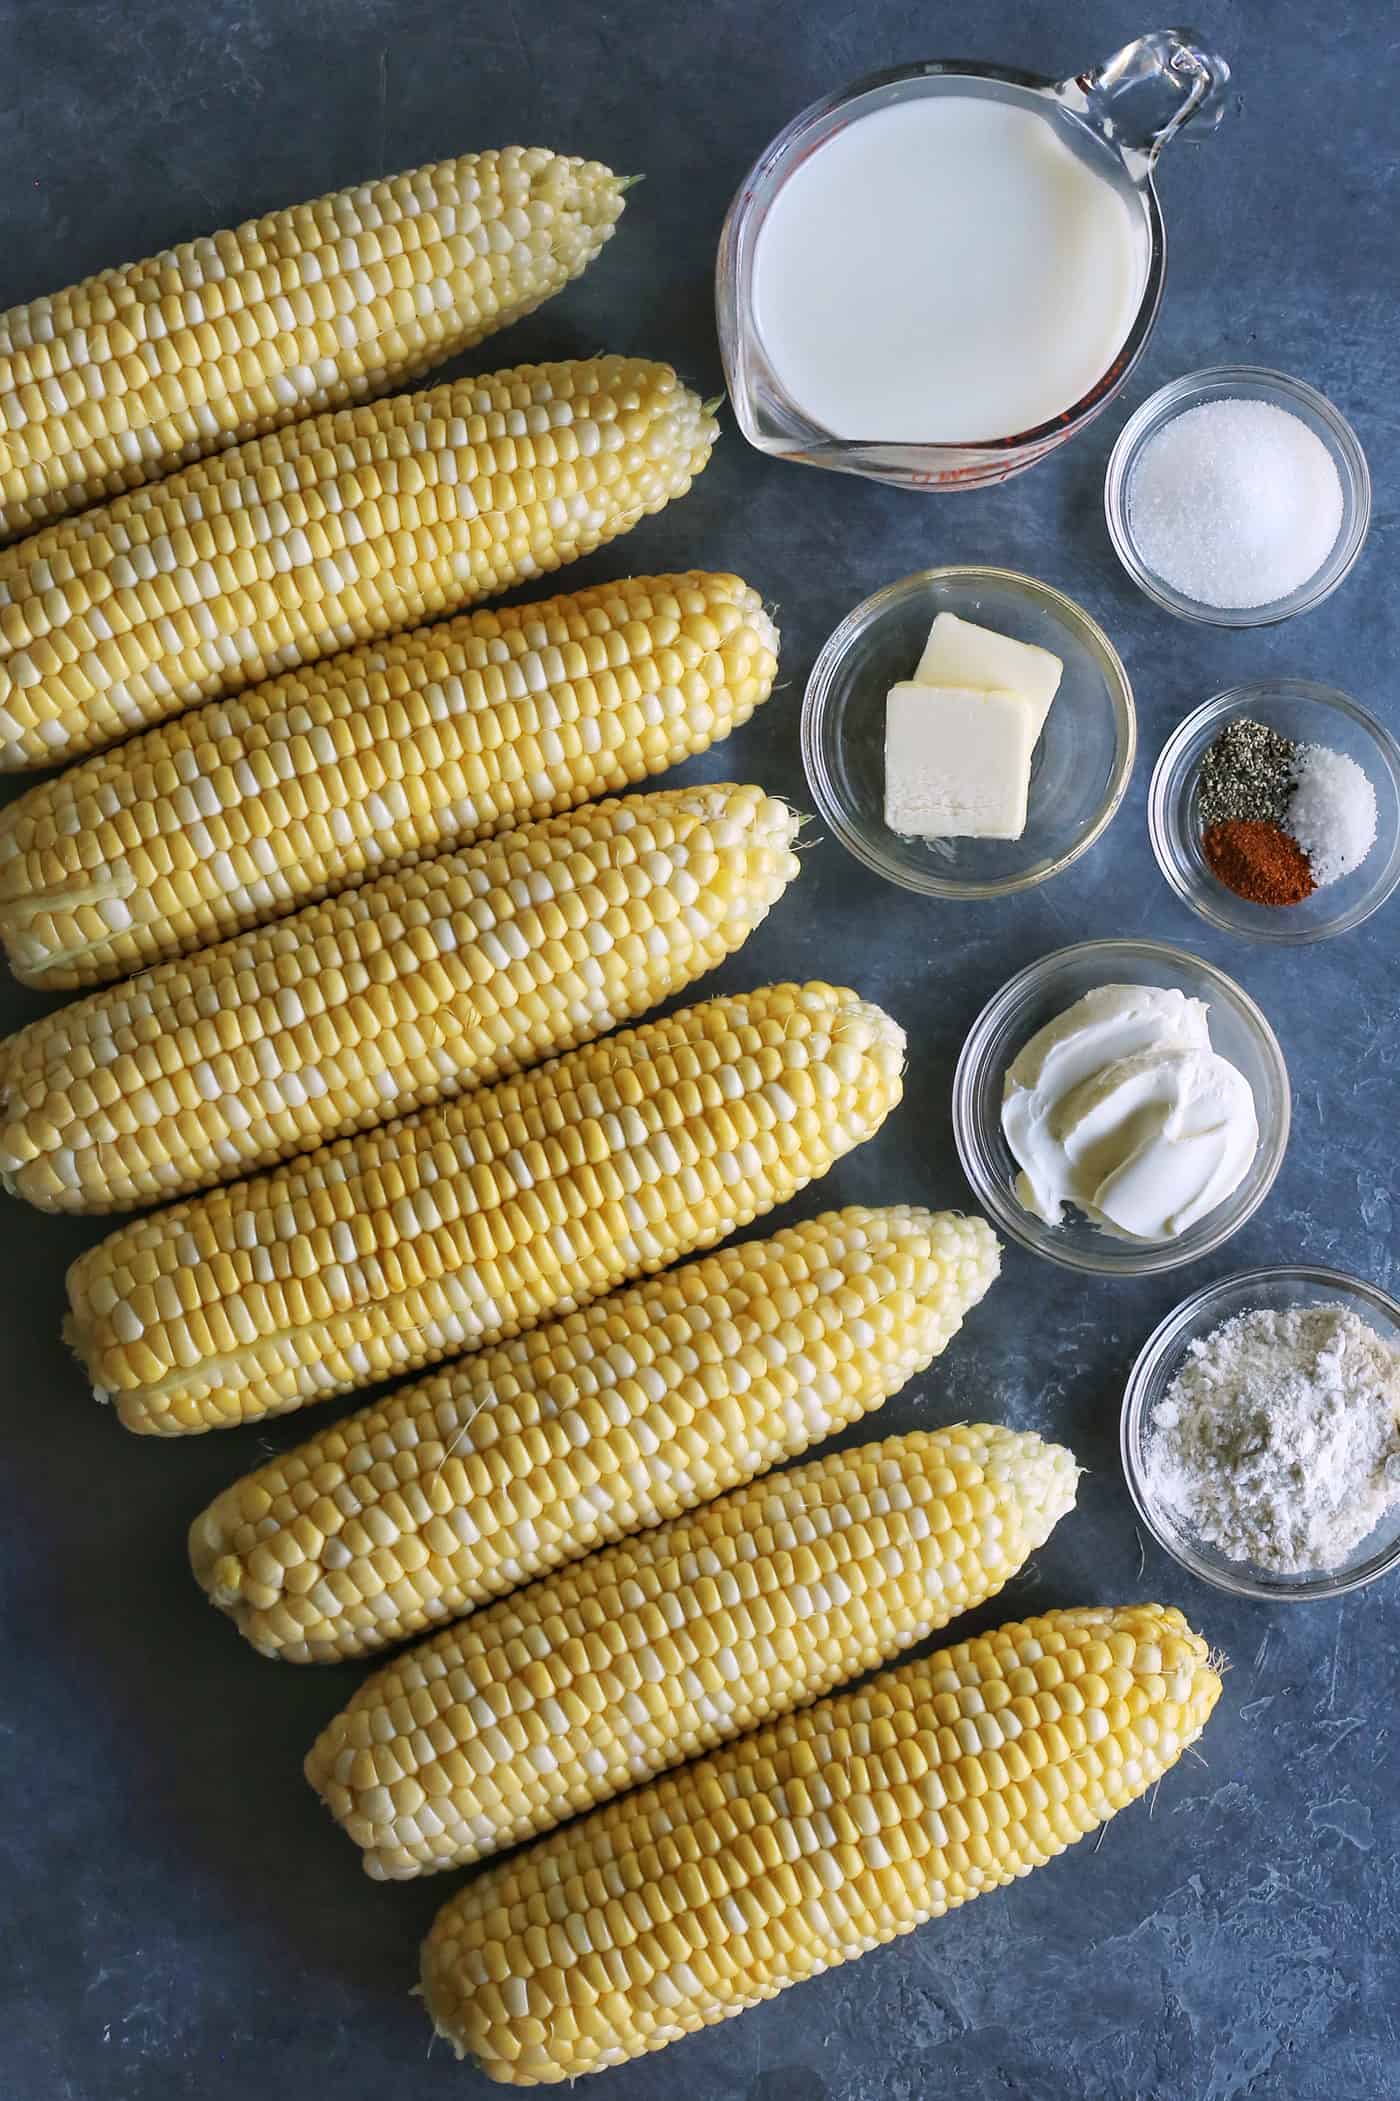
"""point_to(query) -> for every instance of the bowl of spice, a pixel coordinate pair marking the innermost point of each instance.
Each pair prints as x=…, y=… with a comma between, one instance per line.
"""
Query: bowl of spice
x=1274, y=811
x=1237, y=497
x=1261, y=1433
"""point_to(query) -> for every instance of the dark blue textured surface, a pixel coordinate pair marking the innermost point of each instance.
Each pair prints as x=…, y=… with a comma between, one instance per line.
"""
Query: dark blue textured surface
x=180, y=1919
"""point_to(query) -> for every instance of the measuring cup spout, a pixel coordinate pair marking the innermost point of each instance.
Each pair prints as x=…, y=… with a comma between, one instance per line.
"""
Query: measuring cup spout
x=1149, y=91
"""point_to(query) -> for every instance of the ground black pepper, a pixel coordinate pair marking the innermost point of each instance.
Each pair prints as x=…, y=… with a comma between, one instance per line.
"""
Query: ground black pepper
x=1248, y=773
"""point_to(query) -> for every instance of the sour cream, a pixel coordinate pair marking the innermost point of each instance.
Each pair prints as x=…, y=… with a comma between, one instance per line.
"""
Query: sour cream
x=1121, y=1107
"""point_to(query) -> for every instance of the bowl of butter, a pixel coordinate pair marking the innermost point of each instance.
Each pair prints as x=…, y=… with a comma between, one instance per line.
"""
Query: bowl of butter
x=968, y=732
x=1122, y=1107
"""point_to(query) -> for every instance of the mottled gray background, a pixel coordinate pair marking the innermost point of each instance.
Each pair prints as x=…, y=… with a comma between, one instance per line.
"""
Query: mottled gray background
x=180, y=1918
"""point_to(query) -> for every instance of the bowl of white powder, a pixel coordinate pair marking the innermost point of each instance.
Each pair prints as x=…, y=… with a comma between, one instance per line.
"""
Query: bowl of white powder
x=1261, y=1433
x=1237, y=497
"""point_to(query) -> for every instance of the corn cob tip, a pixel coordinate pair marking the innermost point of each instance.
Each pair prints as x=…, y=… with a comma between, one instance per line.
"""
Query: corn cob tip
x=683, y=442
x=864, y=1024
x=74, y=1340
x=969, y=1251
x=1048, y=1480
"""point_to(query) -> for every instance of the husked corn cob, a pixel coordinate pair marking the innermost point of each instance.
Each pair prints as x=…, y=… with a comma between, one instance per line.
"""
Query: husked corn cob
x=239, y=811
x=466, y=1223
x=820, y=1837
x=312, y=538
x=388, y=999
x=516, y=1460
x=612, y=1670
x=130, y=373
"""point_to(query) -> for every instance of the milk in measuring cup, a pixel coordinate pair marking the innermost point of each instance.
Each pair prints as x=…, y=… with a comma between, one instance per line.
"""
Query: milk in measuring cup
x=947, y=270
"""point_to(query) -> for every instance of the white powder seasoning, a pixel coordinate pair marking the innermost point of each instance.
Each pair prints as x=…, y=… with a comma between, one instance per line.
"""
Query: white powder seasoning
x=1278, y=1441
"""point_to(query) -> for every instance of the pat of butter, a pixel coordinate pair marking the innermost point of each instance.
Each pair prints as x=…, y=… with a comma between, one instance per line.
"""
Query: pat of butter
x=957, y=763
x=959, y=653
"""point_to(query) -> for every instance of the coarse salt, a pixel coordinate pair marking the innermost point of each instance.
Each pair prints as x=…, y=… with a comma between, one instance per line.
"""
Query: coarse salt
x=1332, y=813
x=1235, y=503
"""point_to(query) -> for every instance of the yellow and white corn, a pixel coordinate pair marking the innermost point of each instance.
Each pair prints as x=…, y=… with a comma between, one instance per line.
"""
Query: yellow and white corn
x=462, y=1225
x=618, y=1667
x=518, y=1459
x=313, y=538
x=387, y=999
x=823, y=1836
x=134, y=371
x=243, y=809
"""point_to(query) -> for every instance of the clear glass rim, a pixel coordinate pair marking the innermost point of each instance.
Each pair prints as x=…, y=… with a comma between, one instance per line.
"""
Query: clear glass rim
x=1169, y=401
x=1169, y=1335
x=817, y=441
x=816, y=701
x=1114, y=1258
x=1165, y=792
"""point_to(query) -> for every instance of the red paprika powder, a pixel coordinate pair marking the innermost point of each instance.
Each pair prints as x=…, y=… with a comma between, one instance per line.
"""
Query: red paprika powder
x=1258, y=861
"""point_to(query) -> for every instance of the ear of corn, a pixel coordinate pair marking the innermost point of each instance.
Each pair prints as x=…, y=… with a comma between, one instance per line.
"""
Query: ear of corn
x=393, y=997
x=322, y=535
x=823, y=1836
x=132, y=372
x=466, y=1223
x=612, y=1670
x=516, y=1460
x=241, y=810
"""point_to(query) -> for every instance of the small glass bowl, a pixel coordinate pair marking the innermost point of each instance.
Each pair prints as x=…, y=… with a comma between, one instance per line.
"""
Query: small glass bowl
x=1082, y=761
x=1309, y=714
x=1034, y=997
x=1158, y=1365
x=1242, y=383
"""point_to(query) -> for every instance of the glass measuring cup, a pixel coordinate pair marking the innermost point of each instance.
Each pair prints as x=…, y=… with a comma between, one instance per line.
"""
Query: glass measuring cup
x=1118, y=116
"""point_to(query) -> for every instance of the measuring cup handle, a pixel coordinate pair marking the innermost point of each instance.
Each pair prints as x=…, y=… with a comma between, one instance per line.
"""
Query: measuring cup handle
x=1151, y=89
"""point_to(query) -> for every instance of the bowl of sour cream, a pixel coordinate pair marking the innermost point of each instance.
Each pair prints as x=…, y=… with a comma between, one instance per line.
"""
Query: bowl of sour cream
x=1121, y=1107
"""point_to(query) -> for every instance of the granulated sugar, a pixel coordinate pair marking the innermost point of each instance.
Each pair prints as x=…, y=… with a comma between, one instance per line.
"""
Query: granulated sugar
x=1278, y=1441
x=1235, y=503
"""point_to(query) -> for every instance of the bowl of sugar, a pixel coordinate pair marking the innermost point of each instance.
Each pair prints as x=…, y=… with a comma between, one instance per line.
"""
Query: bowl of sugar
x=1237, y=497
